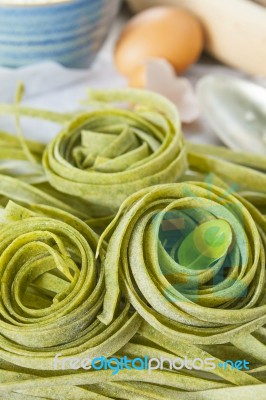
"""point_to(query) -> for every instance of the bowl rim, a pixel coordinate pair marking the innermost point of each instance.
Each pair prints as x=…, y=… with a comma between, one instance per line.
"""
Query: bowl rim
x=32, y=3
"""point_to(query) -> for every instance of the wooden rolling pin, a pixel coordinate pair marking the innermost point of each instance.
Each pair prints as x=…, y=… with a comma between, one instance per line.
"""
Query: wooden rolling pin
x=262, y=2
x=235, y=29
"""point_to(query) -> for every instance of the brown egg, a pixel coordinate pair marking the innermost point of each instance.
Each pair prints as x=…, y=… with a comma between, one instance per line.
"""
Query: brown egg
x=165, y=32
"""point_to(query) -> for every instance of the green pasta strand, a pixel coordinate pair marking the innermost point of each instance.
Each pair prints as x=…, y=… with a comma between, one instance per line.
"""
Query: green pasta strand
x=219, y=304
x=178, y=272
x=52, y=290
x=242, y=177
x=110, y=153
x=255, y=161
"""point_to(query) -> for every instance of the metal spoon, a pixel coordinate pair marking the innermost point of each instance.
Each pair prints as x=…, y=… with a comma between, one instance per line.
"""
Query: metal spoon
x=236, y=111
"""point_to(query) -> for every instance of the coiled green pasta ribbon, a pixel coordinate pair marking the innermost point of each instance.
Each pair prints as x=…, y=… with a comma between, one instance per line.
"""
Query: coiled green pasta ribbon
x=105, y=155
x=138, y=148
x=184, y=313
x=191, y=259
x=52, y=290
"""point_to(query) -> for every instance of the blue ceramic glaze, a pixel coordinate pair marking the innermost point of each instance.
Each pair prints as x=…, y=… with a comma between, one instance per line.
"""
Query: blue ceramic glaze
x=70, y=32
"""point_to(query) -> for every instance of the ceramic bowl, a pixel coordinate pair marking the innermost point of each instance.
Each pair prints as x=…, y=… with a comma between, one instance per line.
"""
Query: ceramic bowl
x=69, y=32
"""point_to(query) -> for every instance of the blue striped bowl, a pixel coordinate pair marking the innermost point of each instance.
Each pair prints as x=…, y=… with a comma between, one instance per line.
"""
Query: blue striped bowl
x=66, y=31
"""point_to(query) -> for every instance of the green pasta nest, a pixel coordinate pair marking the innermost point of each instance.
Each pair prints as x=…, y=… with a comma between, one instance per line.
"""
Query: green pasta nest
x=190, y=257
x=116, y=152
x=177, y=271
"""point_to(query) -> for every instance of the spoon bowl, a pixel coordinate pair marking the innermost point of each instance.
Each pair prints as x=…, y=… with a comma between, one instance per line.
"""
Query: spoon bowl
x=236, y=111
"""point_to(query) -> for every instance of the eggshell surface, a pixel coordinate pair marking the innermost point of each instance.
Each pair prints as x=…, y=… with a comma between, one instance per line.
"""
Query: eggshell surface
x=165, y=32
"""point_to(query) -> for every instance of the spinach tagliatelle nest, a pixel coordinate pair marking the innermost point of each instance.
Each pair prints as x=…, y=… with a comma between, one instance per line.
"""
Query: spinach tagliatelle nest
x=106, y=155
x=190, y=257
x=179, y=272
x=52, y=289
